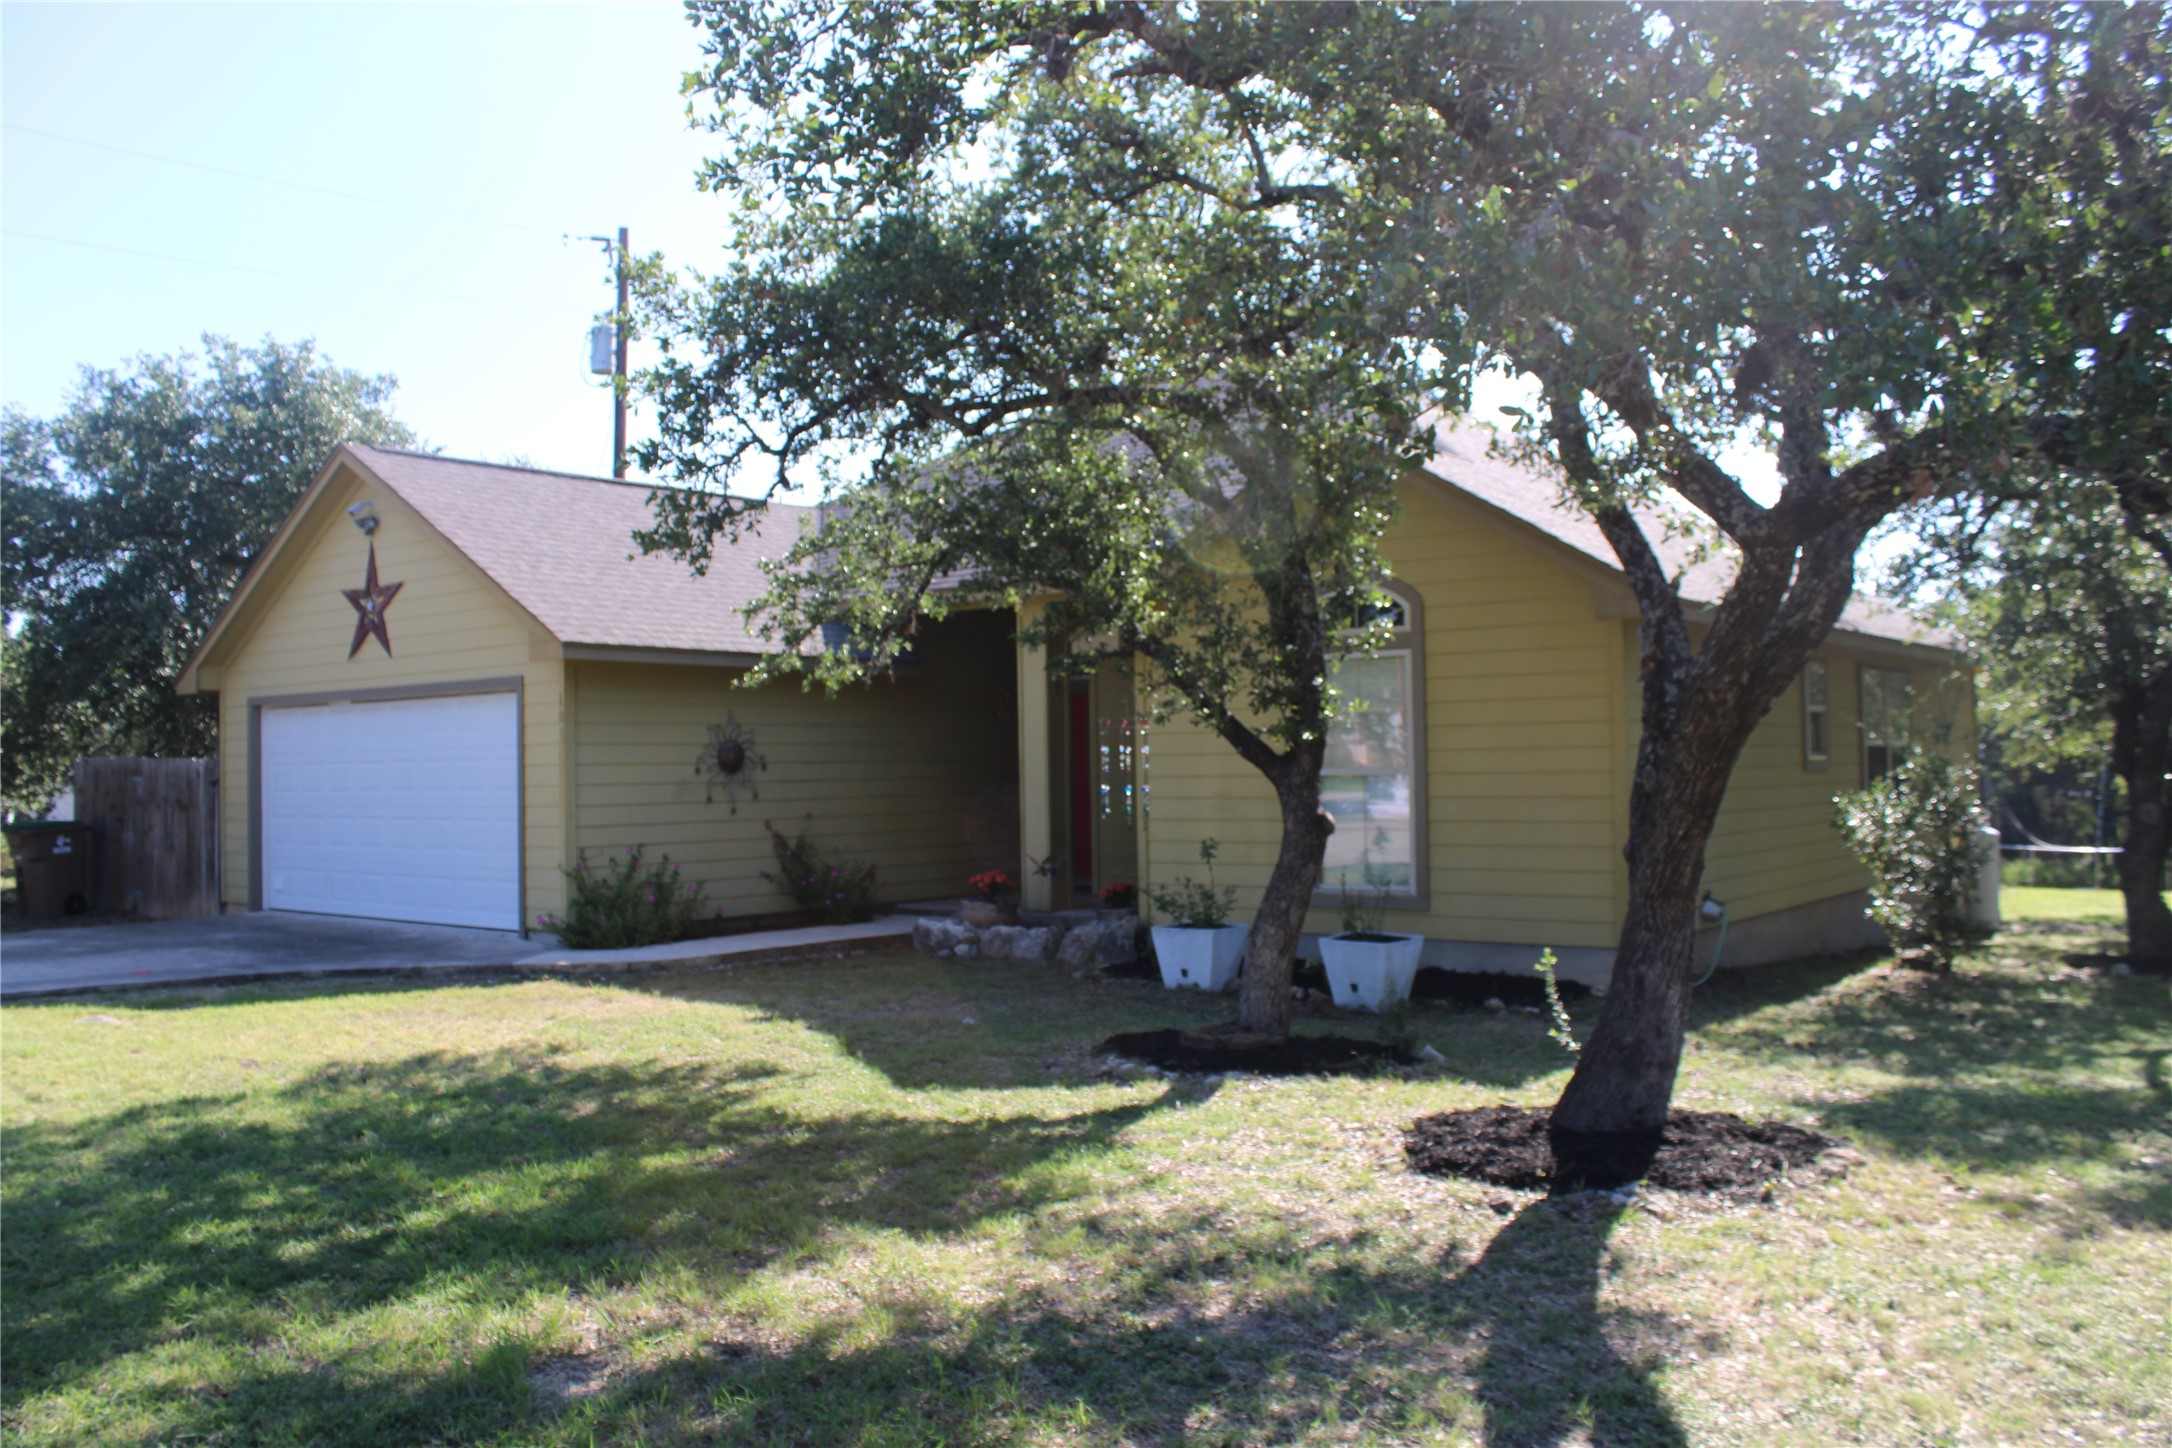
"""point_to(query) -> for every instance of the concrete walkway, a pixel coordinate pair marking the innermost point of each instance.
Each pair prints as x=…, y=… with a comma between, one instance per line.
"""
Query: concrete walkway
x=265, y=945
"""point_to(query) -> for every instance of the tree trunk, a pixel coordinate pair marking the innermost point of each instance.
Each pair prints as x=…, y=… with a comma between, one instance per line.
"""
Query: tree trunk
x=1263, y=1001
x=2142, y=752
x=1607, y=1125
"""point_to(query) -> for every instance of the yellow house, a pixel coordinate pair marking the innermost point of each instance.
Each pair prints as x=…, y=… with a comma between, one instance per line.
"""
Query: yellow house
x=538, y=695
x=443, y=683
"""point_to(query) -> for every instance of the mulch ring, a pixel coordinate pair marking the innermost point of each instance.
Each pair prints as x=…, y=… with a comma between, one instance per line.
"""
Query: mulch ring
x=1216, y=1051
x=1702, y=1153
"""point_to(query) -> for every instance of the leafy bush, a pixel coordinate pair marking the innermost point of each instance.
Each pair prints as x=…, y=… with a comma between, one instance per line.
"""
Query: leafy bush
x=626, y=903
x=1202, y=907
x=1915, y=831
x=834, y=894
x=1363, y=912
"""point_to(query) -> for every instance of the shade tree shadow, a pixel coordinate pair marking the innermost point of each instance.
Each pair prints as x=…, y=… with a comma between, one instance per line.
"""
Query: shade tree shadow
x=362, y=1185
x=1189, y=1342
x=1513, y=1349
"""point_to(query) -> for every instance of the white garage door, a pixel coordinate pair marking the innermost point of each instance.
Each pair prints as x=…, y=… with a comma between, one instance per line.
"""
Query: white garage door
x=406, y=810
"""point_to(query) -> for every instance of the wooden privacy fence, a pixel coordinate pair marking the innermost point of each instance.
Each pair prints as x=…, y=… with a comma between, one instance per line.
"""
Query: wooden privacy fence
x=157, y=850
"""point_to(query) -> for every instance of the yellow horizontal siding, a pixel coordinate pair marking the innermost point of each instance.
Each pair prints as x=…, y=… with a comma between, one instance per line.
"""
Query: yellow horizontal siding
x=1774, y=846
x=917, y=775
x=1523, y=721
x=446, y=625
x=1530, y=720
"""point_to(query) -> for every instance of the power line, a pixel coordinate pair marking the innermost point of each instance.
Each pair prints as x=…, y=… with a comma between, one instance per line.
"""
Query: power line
x=467, y=217
x=293, y=276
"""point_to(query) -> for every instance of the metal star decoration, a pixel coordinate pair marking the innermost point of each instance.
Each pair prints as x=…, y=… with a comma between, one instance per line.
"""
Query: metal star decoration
x=730, y=762
x=370, y=602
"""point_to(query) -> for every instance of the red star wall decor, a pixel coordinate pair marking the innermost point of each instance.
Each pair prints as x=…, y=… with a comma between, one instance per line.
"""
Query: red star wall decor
x=370, y=602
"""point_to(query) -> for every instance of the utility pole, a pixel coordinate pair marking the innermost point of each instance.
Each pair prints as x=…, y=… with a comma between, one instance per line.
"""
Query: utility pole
x=618, y=376
x=617, y=363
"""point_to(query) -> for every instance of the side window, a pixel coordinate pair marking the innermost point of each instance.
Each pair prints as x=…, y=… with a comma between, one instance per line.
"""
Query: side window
x=1370, y=780
x=1885, y=721
x=1817, y=715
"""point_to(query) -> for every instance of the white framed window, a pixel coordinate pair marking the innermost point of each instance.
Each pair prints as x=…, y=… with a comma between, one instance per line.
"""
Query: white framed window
x=1884, y=721
x=1817, y=715
x=1372, y=782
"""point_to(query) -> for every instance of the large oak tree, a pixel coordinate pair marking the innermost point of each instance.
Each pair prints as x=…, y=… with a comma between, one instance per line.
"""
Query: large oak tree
x=1684, y=225
x=131, y=514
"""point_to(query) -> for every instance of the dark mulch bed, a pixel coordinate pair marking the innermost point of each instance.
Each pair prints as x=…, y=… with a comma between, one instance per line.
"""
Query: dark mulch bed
x=1468, y=988
x=1710, y=1153
x=1139, y=969
x=1215, y=1051
x=1476, y=987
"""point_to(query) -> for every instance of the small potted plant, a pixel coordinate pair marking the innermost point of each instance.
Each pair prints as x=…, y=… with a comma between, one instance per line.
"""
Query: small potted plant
x=1198, y=949
x=994, y=895
x=1369, y=968
x=1122, y=896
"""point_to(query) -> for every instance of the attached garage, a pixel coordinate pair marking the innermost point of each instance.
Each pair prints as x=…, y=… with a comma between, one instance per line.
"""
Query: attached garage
x=445, y=684
x=400, y=809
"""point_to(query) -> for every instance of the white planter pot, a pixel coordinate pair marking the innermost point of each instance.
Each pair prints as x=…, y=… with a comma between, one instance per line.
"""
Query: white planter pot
x=1370, y=975
x=1197, y=959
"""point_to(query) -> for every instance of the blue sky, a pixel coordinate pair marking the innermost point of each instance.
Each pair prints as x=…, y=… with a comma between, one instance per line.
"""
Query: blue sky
x=463, y=140
x=394, y=180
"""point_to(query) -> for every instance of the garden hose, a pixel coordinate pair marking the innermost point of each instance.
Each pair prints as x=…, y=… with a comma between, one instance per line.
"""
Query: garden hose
x=1707, y=908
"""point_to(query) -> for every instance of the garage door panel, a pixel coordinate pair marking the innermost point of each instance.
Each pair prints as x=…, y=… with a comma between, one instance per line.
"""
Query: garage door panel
x=402, y=810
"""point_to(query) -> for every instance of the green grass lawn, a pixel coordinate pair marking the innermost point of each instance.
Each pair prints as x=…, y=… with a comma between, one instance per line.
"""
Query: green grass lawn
x=2031, y=903
x=887, y=1200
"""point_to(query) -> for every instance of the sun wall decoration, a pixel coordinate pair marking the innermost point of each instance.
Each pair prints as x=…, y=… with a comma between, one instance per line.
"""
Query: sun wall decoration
x=729, y=761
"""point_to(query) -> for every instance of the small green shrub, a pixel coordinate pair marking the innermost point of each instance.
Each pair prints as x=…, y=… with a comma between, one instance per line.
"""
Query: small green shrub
x=1915, y=831
x=625, y=903
x=833, y=893
x=1189, y=903
x=1364, y=911
x=1561, y=1030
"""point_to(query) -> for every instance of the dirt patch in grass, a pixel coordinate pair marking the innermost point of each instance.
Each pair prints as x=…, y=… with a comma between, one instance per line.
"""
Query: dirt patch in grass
x=1218, y=1050
x=570, y=1378
x=1701, y=1153
x=2110, y=963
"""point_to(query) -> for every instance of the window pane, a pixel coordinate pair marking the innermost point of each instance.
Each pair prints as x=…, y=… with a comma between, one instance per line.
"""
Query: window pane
x=1816, y=713
x=1365, y=784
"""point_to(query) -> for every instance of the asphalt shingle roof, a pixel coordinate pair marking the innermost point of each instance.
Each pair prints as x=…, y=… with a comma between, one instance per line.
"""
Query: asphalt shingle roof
x=561, y=545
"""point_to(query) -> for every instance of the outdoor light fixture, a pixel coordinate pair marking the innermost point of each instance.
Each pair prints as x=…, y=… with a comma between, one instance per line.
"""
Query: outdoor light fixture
x=364, y=514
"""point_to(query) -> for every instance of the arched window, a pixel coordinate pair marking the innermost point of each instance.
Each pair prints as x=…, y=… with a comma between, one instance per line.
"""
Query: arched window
x=1373, y=780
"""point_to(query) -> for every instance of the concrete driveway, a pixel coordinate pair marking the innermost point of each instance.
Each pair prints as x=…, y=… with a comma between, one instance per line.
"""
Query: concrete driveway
x=239, y=947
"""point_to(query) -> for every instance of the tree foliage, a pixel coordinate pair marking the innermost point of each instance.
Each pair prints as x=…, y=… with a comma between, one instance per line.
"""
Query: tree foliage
x=2074, y=617
x=131, y=516
x=2065, y=554
x=1151, y=407
x=1684, y=224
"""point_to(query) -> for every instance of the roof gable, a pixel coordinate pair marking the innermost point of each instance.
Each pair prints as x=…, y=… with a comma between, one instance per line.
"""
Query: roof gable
x=561, y=546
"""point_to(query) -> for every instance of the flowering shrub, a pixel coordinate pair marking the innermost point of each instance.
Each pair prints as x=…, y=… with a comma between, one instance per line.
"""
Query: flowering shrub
x=1122, y=895
x=625, y=903
x=834, y=894
x=993, y=886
